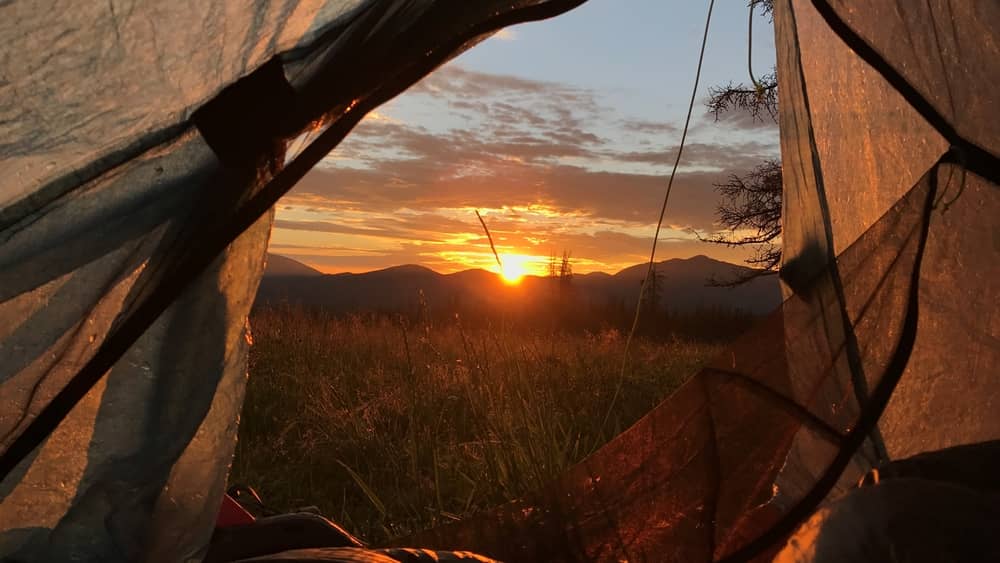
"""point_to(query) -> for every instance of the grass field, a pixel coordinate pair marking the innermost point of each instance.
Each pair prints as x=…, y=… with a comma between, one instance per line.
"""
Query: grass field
x=390, y=427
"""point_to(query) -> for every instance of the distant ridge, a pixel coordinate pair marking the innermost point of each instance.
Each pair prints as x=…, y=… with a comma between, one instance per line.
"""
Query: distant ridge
x=278, y=265
x=685, y=286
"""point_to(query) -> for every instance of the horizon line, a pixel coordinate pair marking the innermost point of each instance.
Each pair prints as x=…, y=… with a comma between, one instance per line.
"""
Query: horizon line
x=411, y=264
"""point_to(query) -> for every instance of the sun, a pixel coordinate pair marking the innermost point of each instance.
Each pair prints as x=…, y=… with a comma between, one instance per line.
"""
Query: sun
x=514, y=268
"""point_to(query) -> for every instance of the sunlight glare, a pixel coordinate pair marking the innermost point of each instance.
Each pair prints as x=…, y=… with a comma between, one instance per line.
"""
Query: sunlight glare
x=514, y=268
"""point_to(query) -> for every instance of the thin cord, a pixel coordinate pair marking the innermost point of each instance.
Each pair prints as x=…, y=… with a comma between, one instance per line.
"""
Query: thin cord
x=756, y=84
x=659, y=223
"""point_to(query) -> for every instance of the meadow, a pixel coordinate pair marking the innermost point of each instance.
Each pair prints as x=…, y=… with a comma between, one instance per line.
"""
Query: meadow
x=389, y=425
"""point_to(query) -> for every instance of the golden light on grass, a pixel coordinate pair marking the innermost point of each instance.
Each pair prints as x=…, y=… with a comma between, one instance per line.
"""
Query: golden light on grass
x=515, y=266
x=534, y=430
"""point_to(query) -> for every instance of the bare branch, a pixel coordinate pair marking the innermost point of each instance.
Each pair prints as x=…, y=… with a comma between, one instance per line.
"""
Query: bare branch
x=761, y=104
x=766, y=7
x=753, y=203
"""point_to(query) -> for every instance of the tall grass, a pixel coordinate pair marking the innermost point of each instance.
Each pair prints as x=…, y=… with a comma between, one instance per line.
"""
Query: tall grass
x=389, y=427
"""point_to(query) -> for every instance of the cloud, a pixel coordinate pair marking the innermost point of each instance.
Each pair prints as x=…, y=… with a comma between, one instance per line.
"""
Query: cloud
x=454, y=82
x=648, y=127
x=452, y=172
x=735, y=156
x=556, y=164
x=376, y=225
x=738, y=119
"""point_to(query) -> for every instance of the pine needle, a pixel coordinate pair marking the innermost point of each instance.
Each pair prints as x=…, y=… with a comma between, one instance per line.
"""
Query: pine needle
x=490, y=237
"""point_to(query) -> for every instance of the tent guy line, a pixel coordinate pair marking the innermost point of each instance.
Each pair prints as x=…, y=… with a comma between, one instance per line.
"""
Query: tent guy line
x=659, y=222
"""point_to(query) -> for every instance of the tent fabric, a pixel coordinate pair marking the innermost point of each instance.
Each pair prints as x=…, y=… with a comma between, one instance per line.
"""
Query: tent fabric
x=869, y=146
x=134, y=136
x=93, y=85
x=356, y=555
x=937, y=506
x=130, y=133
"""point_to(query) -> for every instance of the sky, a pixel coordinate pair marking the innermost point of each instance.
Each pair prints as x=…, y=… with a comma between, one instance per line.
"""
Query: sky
x=562, y=133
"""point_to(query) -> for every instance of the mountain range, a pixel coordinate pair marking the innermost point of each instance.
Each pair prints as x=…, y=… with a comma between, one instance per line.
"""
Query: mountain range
x=685, y=286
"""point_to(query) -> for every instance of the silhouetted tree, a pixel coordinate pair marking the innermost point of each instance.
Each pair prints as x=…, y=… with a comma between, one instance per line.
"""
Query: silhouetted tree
x=751, y=202
x=761, y=103
x=654, y=290
x=760, y=98
x=653, y=317
x=565, y=269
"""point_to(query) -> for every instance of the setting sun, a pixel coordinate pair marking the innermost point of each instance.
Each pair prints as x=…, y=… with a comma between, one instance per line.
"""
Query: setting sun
x=514, y=268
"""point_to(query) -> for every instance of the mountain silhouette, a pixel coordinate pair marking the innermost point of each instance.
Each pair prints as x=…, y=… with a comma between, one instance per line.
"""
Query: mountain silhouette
x=685, y=286
x=278, y=265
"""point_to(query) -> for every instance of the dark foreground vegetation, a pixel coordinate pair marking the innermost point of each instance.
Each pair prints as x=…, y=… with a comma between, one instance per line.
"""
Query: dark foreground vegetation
x=390, y=424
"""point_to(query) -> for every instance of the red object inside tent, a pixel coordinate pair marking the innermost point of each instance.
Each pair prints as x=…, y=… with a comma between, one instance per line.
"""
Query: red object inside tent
x=232, y=514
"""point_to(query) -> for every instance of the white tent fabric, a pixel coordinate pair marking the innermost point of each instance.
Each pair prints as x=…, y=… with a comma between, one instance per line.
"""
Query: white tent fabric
x=92, y=81
x=101, y=171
